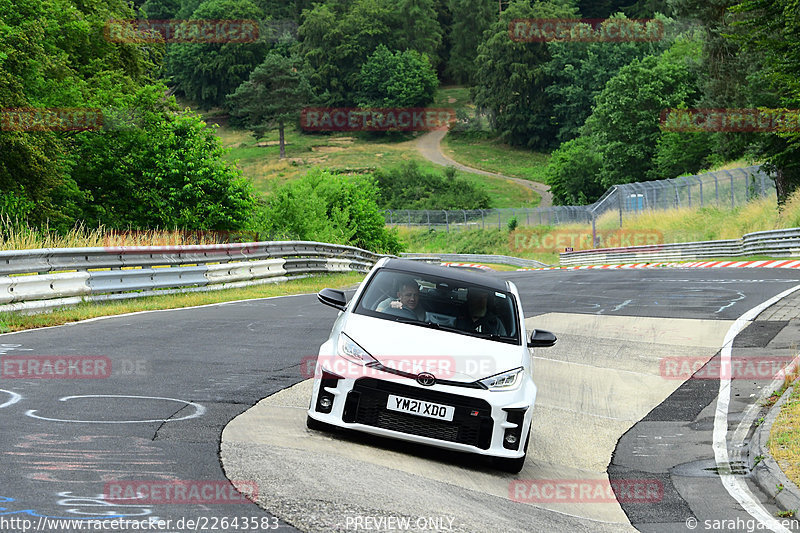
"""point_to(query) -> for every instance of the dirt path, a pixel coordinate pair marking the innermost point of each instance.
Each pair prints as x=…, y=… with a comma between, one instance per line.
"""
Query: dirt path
x=430, y=146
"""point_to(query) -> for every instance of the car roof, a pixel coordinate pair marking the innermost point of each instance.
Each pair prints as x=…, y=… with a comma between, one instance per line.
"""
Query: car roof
x=457, y=274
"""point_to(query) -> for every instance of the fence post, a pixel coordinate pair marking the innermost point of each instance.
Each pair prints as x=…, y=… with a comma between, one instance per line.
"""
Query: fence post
x=428, y=213
x=701, y=188
x=619, y=203
x=483, y=225
x=409, y=217
x=446, y=221
x=688, y=189
x=716, y=187
x=733, y=201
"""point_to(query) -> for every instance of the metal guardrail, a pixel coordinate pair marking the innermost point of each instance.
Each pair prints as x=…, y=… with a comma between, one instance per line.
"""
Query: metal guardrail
x=52, y=277
x=773, y=243
x=478, y=258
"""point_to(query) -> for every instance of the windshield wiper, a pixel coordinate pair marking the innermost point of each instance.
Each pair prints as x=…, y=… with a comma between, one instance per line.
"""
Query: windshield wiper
x=416, y=322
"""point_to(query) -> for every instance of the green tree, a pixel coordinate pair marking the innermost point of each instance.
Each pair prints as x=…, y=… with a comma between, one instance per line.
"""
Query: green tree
x=510, y=79
x=574, y=173
x=164, y=171
x=330, y=208
x=419, y=28
x=337, y=38
x=161, y=9
x=274, y=94
x=625, y=120
x=207, y=72
x=682, y=153
x=56, y=54
x=399, y=79
x=470, y=19
x=771, y=31
x=580, y=71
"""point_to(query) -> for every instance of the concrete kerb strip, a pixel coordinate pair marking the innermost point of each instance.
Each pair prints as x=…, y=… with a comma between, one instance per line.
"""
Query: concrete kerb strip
x=767, y=474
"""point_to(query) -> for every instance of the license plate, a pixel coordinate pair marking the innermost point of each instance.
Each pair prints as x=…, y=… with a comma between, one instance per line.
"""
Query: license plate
x=420, y=408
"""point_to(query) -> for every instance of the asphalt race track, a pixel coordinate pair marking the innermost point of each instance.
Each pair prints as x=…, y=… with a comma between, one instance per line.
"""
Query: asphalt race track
x=605, y=410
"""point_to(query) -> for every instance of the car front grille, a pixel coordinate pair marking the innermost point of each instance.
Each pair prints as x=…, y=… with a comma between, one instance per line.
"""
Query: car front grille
x=472, y=422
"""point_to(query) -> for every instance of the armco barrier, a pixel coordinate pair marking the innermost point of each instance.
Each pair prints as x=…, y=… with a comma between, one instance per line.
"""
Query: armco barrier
x=477, y=258
x=773, y=243
x=50, y=277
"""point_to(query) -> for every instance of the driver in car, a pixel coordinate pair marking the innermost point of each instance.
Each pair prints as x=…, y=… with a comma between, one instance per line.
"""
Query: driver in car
x=479, y=318
x=407, y=302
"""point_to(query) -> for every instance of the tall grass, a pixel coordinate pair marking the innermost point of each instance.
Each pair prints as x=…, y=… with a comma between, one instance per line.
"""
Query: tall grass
x=674, y=225
x=16, y=235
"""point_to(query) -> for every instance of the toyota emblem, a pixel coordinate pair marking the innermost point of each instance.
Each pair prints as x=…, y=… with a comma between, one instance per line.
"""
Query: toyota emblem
x=426, y=379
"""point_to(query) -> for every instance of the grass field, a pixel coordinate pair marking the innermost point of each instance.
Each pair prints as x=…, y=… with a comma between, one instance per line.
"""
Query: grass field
x=260, y=162
x=494, y=156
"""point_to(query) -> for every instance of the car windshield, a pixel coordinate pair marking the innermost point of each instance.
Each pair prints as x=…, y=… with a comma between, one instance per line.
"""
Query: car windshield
x=441, y=303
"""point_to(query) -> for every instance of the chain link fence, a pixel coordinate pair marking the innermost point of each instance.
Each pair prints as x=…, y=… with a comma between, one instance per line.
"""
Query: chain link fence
x=722, y=188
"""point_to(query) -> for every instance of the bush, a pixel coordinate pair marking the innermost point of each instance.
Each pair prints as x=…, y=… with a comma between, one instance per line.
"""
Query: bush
x=574, y=173
x=331, y=208
x=410, y=187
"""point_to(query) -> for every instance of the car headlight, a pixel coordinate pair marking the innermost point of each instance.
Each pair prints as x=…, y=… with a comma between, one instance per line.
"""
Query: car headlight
x=350, y=350
x=505, y=381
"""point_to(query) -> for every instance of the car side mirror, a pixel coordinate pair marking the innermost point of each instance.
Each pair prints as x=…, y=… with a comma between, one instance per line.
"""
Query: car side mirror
x=333, y=298
x=541, y=339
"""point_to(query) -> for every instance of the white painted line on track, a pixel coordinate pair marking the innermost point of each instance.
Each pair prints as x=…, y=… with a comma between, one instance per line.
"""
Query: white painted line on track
x=11, y=401
x=199, y=410
x=735, y=485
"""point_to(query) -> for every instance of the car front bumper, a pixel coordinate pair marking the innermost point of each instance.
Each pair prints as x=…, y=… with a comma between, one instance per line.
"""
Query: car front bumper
x=482, y=423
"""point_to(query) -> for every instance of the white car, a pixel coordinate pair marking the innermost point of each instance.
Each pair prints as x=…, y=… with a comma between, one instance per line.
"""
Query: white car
x=433, y=355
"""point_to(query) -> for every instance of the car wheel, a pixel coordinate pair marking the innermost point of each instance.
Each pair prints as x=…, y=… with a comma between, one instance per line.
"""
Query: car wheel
x=316, y=425
x=512, y=466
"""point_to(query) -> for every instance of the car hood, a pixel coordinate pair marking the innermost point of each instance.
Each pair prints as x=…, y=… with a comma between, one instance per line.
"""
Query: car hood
x=446, y=355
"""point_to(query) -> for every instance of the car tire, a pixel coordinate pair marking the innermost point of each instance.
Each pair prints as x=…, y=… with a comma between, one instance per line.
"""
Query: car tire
x=512, y=466
x=316, y=425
